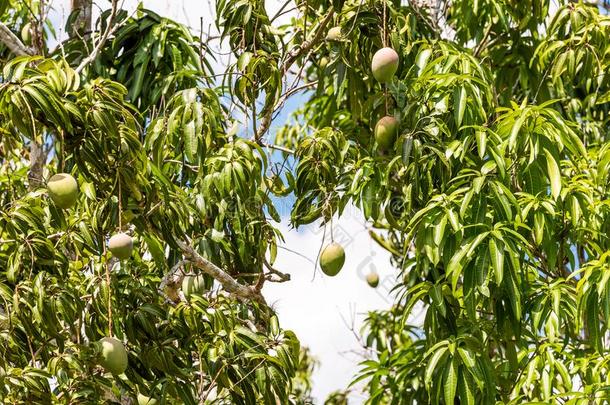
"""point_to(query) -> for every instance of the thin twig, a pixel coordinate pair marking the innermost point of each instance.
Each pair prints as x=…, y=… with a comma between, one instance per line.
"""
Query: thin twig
x=483, y=42
x=109, y=30
x=283, y=277
x=282, y=11
x=109, y=287
x=277, y=147
x=292, y=57
x=278, y=106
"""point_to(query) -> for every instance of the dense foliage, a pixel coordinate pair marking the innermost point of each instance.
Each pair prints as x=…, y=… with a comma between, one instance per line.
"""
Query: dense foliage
x=493, y=199
x=149, y=143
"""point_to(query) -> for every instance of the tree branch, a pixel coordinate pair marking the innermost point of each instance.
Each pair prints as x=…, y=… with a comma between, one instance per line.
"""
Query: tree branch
x=229, y=283
x=283, y=277
x=294, y=90
x=37, y=159
x=483, y=42
x=109, y=30
x=170, y=282
x=292, y=57
x=13, y=42
x=276, y=147
x=307, y=45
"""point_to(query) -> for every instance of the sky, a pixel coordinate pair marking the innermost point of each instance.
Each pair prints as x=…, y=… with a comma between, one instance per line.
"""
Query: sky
x=326, y=313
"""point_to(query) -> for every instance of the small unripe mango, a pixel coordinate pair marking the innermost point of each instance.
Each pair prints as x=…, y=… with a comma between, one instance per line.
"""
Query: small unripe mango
x=323, y=62
x=193, y=285
x=384, y=64
x=63, y=190
x=26, y=34
x=386, y=131
x=334, y=34
x=113, y=356
x=372, y=279
x=121, y=246
x=332, y=259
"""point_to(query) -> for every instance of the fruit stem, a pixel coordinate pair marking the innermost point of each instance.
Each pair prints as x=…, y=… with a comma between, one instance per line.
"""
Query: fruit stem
x=120, y=203
x=384, y=34
x=109, y=294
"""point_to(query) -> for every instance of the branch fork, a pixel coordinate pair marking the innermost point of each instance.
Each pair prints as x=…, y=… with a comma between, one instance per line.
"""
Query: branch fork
x=228, y=283
x=293, y=55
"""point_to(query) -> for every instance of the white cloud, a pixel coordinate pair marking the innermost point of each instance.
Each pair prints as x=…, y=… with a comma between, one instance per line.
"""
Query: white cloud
x=321, y=309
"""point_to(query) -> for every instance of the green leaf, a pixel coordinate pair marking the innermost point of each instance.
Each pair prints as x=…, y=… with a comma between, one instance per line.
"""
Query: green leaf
x=459, y=100
x=554, y=174
x=450, y=382
x=496, y=253
x=539, y=220
x=432, y=364
x=481, y=137
x=190, y=142
x=466, y=389
x=512, y=140
x=437, y=298
x=514, y=295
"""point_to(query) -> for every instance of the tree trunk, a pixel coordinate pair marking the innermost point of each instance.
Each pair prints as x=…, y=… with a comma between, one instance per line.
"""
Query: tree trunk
x=82, y=23
x=37, y=160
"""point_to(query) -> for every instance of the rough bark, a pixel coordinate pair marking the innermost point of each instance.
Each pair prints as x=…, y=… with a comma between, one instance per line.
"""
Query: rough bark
x=228, y=283
x=82, y=23
x=37, y=159
x=100, y=44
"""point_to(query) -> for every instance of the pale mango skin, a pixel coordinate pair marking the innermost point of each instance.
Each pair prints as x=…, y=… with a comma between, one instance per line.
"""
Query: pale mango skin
x=372, y=279
x=63, y=190
x=114, y=355
x=26, y=35
x=386, y=131
x=144, y=400
x=332, y=259
x=121, y=246
x=384, y=64
x=193, y=285
x=323, y=62
x=334, y=34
